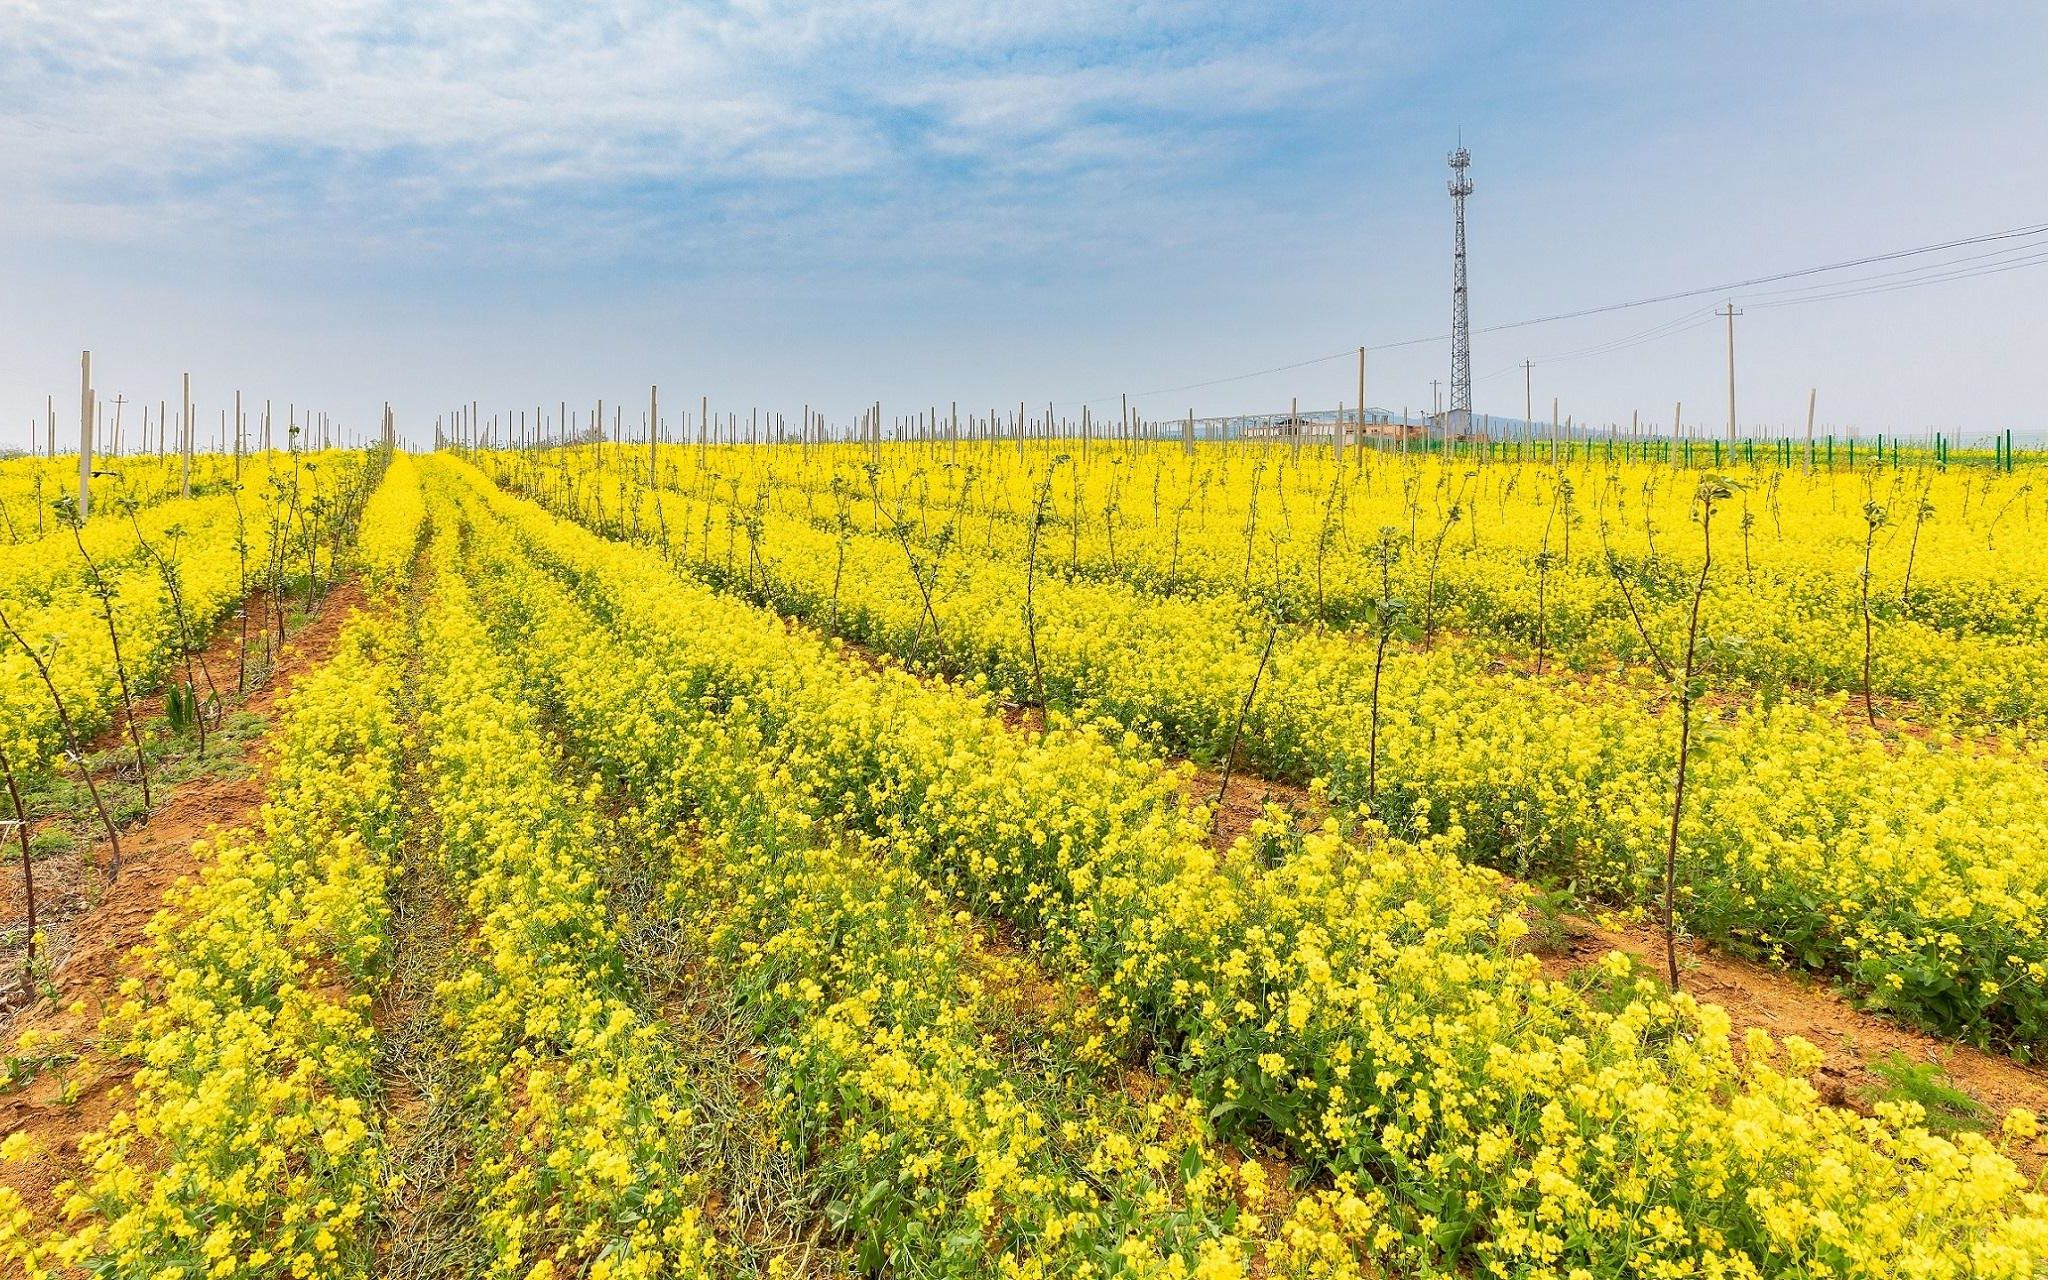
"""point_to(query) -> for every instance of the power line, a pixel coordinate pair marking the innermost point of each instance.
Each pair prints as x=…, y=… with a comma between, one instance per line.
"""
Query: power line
x=1931, y=273
x=1988, y=270
x=1731, y=286
x=2004, y=253
x=1725, y=287
x=1668, y=329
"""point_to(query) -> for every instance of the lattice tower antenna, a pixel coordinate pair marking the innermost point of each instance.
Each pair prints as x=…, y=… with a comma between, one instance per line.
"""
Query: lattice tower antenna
x=1461, y=317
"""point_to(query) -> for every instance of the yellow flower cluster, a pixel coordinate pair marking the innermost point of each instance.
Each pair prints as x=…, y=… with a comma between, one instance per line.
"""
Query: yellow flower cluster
x=578, y=1164
x=1905, y=868
x=250, y=1146
x=1362, y=999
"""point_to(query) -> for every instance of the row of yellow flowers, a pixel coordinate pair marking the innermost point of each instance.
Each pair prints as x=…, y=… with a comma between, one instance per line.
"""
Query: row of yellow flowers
x=1908, y=869
x=250, y=1146
x=1363, y=1000
x=1518, y=556
x=578, y=1120
x=390, y=529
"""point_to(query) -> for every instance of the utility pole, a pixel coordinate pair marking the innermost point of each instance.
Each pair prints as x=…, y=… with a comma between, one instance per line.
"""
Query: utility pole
x=653, y=432
x=1359, y=442
x=1730, y=312
x=1528, y=395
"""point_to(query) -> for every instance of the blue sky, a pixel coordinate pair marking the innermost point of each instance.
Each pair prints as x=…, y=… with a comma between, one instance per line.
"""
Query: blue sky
x=338, y=203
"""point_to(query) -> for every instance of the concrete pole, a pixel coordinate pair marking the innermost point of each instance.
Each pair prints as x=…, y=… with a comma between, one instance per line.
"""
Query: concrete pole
x=1731, y=313
x=185, y=441
x=84, y=433
x=1358, y=443
x=1812, y=394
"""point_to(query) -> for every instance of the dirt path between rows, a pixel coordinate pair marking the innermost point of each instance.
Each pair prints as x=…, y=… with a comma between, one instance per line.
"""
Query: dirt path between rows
x=68, y=882
x=86, y=984
x=1851, y=1040
x=1754, y=994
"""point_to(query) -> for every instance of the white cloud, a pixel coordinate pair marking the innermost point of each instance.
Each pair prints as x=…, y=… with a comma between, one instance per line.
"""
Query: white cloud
x=126, y=118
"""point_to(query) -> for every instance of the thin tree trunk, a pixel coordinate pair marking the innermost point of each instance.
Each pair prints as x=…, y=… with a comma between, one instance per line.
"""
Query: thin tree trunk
x=106, y=599
x=1685, y=701
x=73, y=745
x=1244, y=710
x=28, y=870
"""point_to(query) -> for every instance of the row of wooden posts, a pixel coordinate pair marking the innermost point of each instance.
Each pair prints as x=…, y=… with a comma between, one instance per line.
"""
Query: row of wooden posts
x=97, y=439
x=464, y=427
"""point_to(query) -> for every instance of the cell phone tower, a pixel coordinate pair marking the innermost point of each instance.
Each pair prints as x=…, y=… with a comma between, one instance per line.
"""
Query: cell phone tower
x=1459, y=420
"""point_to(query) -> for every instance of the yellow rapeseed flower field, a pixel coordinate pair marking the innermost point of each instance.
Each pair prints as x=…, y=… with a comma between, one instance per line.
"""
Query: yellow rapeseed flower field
x=789, y=862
